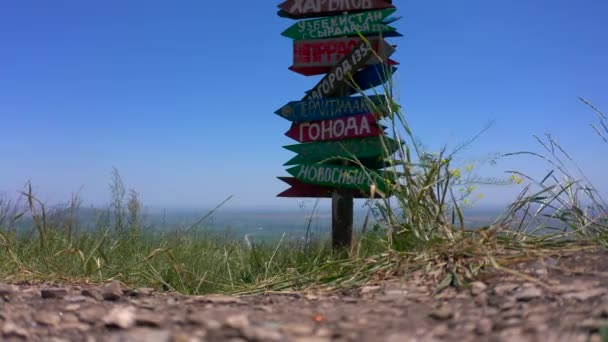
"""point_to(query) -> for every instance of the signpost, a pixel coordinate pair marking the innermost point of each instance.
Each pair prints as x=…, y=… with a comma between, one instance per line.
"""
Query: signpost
x=344, y=177
x=342, y=147
x=303, y=190
x=318, y=56
x=298, y=9
x=358, y=126
x=334, y=81
x=332, y=108
x=366, y=23
x=347, y=149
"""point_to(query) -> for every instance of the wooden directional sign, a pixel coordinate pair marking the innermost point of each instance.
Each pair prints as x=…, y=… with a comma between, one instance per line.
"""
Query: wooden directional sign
x=336, y=78
x=304, y=190
x=318, y=56
x=358, y=126
x=370, y=77
x=314, y=152
x=331, y=108
x=298, y=9
x=365, y=23
x=364, y=79
x=341, y=177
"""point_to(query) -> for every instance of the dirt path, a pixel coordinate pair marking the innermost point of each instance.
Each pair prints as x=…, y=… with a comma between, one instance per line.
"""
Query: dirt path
x=572, y=307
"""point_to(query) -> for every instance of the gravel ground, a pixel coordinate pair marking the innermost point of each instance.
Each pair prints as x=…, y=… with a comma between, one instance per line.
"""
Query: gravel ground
x=566, y=300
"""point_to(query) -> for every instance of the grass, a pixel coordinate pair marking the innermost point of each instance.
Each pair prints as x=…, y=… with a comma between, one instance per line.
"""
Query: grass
x=420, y=227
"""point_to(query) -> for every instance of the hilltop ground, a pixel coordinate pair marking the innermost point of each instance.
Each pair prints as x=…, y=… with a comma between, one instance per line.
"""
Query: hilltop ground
x=560, y=297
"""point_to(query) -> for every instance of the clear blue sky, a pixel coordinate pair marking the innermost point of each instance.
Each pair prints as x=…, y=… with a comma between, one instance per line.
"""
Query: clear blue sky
x=180, y=95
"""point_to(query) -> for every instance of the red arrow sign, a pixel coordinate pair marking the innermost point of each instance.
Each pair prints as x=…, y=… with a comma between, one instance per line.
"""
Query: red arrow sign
x=314, y=57
x=357, y=126
x=303, y=190
x=298, y=9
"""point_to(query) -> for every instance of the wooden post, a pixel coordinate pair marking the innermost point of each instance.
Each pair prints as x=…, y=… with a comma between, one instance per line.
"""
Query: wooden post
x=342, y=204
x=342, y=219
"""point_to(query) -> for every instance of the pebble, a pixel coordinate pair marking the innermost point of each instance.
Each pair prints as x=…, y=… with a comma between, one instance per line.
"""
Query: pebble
x=10, y=329
x=585, y=295
x=146, y=335
x=53, y=293
x=149, y=319
x=91, y=314
x=528, y=294
x=298, y=329
x=238, y=322
x=92, y=293
x=478, y=288
x=218, y=299
x=112, y=291
x=505, y=288
x=47, y=318
x=442, y=314
x=7, y=291
x=122, y=317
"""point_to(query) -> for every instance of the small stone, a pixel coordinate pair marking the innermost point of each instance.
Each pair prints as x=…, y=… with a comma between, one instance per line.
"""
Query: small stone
x=180, y=337
x=442, y=314
x=593, y=324
x=312, y=339
x=484, y=326
x=149, y=319
x=10, y=329
x=112, y=291
x=370, y=289
x=219, y=299
x=75, y=326
x=92, y=293
x=238, y=322
x=72, y=307
x=297, y=329
x=261, y=334
x=400, y=337
x=47, y=318
x=92, y=314
x=585, y=295
x=142, y=292
x=478, y=288
x=7, y=291
x=528, y=294
x=145, y=335
x=504, y=289
x=53, y=293
x=122, y=317
x=601, y=311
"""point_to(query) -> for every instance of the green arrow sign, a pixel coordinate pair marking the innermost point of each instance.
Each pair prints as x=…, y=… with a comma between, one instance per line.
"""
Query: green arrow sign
x=342, y=25
x=361, y=148
x=341, y=177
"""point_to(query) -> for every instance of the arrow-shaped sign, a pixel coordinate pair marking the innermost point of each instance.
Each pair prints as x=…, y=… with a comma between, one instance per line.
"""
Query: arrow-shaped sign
x=298, y=9
x=341, y=177
x=347, y=149
x=314, y=57
x=365, y=23
x=358, y=126
x=331, y=108
x=364, y=79
x=343, y=71
x=303, y=190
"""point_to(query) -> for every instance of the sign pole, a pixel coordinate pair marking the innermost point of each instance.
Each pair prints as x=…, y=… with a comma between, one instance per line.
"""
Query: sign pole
x=342, y=208
x=342, y=219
